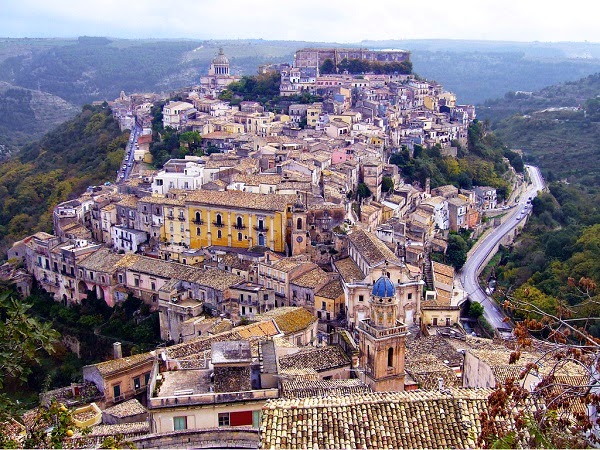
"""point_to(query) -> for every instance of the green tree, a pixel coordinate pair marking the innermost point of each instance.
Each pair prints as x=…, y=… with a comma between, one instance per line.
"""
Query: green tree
x=475, y=310
x=456, y=253
x=387, y=184
x=22, y=341
x=363, y=191
x=327, y=67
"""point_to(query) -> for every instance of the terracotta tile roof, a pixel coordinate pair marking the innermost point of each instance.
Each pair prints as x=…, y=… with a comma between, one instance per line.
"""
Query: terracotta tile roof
x=256, y=179
x=348, y=270
x=221, y=327
x=433, y=346
x=443, y=273
x=302, y=388
x=102, y=260
x=233, y=261
x=128, y=201
x=290, y=319
x=331, y=290
x=306, y=373
x=158, y=200
x=239, y=199
x=428, y=370
x=193, y=348
x=126, y=409
x=214, y=278
x=320, y=359
x=413, y=419
x=108, y=368
x=371, y=248
x=311, y=279
x=126, y=429
x=266, y=328
x=288, y=264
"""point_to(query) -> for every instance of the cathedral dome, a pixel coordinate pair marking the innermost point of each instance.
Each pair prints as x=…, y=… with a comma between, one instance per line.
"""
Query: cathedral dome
x=220, y=58
x=383, y=287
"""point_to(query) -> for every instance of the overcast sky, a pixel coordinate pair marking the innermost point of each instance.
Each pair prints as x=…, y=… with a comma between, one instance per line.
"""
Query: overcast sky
x=308, y=20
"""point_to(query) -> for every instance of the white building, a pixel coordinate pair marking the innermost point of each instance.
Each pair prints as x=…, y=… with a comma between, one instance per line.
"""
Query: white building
x=127, y=239
x=441, y=217
x=173, y=112
x=185, y=173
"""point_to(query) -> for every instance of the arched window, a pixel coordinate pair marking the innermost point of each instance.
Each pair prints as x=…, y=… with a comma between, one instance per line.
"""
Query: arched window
x=219, y=219
x=299, y=223
x=391, y=357
x=239, y=222
x=198, y=217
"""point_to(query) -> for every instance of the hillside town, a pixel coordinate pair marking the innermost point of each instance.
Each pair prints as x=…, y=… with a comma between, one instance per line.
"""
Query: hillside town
x=295, y=313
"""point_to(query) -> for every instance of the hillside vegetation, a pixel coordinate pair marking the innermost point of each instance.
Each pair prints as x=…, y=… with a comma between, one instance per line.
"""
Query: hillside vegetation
x=555, y=264
x=84, y=151
x=559, y=130
x=568, y=94
x=26, y=115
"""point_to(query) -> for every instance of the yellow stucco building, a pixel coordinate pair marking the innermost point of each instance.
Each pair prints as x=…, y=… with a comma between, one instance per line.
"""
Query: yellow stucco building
x=238, y=219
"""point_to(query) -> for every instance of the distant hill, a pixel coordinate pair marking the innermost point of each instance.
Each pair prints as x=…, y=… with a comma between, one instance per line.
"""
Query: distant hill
x=27, y=114
x=87, y=69
x=567, y=94
x=558, y=128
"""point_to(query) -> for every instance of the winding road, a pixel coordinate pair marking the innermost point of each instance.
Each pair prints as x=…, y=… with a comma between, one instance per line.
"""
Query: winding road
x=474, y=264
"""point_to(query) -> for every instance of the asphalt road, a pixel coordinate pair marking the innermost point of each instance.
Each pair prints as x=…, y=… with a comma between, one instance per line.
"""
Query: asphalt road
x=470, y=271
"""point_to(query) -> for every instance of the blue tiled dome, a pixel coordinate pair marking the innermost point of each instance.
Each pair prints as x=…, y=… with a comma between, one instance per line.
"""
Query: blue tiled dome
x=383, y=287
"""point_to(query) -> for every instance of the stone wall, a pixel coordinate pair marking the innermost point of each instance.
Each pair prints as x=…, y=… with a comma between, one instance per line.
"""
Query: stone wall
x=239, y=437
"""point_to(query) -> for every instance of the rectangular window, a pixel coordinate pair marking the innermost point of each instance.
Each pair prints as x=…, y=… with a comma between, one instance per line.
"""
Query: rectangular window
x=136, y=383
x=117, y=391
x=240, y=418
x=180, y=423
x=153, y=286
x=223, y=419
x=361, y=298
x=136, y=281
x=120, y=278
x=323, y=306
x=146, y=379
x=409, y=296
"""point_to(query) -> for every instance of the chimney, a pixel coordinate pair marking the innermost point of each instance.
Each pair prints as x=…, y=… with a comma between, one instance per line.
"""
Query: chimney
x=117, y=352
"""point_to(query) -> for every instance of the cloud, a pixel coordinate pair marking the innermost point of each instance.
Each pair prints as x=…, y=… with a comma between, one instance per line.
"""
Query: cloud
x=311, y=20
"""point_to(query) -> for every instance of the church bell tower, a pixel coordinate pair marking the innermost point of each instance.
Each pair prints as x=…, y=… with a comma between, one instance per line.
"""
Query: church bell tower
x=382, y=340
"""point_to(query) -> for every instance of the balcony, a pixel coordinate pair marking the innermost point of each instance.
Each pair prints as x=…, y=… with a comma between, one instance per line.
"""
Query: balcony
x=218, y=224
x=170, y=216
x=182, y=218
x=239, y=227
x=365, y=325
x=199, y=222
x=262, y=229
